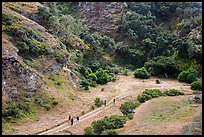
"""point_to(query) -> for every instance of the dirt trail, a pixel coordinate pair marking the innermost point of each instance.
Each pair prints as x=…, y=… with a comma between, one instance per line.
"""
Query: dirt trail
x=123, y=86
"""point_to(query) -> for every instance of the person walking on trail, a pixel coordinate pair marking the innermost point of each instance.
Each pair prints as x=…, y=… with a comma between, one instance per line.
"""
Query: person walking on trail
x=72, y=121
x=114, y=100
x=69, y=117
x=77, y=118
x=105, y=102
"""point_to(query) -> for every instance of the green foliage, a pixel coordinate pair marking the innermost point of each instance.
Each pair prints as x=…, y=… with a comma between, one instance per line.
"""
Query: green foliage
x=163, y=66
x=92, y=77
x=130, y=116
x=143, y=98
x=109, y=132
x=141, y=73
x=173, y=92
x=15, y=110
x=188, y=76
x=127, y=107
x=148, y=94
x=9, y=19
x=89, y=131
x=108, y=122
x=85, y=71
x=102, y=76
x=46, y=102
x=85, y=84
x=58, y=19
x=98, y=102
x=153, y=92
x=196, y=85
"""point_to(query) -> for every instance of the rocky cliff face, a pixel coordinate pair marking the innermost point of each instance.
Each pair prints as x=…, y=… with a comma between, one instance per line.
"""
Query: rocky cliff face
x=101, y=16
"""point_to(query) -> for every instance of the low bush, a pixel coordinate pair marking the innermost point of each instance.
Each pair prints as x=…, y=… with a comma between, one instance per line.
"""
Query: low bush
x=109, y=132
x=85, y=84
x=108, y=122
x=188, y=76
x=196, y=85
x=158, y=81
x=102, y=76
x=143, y=98
x=127, y=107
x=153, y=92
x=173, y=92
x=141, y=73
x=89, y=131
x=98, y=102
x=148, y=94
x=130, y=116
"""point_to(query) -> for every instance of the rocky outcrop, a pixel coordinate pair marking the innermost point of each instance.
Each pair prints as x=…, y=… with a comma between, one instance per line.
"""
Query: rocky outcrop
x=101, y=16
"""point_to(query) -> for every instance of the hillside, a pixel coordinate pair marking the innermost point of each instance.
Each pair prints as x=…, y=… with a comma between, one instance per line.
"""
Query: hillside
x=57, y=56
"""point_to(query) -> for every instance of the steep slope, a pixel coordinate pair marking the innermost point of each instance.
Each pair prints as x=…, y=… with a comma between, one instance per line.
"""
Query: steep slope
x=32, y=61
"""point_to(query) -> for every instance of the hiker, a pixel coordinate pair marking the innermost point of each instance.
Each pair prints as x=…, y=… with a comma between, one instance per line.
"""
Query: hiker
x=69, y=117
x=77, y=118
x=114, y=100
x=105, y=102
x=72, y=121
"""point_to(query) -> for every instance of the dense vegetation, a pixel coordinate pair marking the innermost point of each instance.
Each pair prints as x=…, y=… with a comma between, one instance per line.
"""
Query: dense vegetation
x=162, y=37
x=148, y=31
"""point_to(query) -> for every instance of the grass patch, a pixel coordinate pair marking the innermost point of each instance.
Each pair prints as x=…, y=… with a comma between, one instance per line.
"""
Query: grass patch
x=58, y=81
x=168, y=110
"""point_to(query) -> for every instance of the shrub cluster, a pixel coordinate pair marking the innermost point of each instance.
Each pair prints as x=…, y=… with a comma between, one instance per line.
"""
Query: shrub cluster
x=141, y=73
x=98, y=102
x=106, y=125
x=101, y=76
x=148, y=94
x=188, y=76
x=172, y=92
x=196, y=85
x=127, y=107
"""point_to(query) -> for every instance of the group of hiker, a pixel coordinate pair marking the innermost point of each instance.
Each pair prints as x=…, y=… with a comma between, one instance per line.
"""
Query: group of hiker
x=106, y=102
x=71, y=119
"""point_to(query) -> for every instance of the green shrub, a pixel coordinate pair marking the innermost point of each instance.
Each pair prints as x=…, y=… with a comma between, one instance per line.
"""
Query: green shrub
x=127, y=107
x=108, y=122
x=188, y=76
x=89, y=131
x=102, y=76
x=196, y=85
x=85, y=71
x=47, y=106
x=143, y=98
x=54, y=102
x=85, y=84
x=158, y=81
x=130, y=116
x=152, y=92
x=141, y=73
x=9, y=19
x=137, y=103
x=92, y=77
x=98, y=102
x=173, y=92
x=109, y=132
